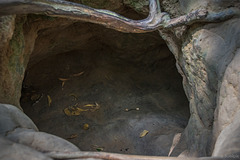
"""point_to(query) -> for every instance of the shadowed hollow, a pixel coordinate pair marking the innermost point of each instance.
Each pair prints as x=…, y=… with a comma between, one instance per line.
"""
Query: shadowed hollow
x=118, y=73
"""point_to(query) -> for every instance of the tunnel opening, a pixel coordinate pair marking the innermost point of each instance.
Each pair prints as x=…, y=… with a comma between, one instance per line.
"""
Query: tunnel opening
x=104, y=90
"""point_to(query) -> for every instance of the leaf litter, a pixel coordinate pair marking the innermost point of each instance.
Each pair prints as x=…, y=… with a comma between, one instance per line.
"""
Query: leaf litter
x=77, y=109
x=64, y=80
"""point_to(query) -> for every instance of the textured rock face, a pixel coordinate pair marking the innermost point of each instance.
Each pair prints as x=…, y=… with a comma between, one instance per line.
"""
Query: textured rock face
x=207, y=57
x=20, y=138
x=15, y=50
x=203, y=54
x=188, y=5
x=7, y=77
x=227, y=126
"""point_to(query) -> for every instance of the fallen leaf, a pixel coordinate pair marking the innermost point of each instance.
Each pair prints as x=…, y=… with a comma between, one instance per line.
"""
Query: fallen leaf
x=67, y=112
x=131, y=109
x=76, y=109
x=81, y=110
x=49, y=100
x=63, y=82
x=86, y=126
x=63, y=79
x=97, y=105
x=73, y=136
x=93, y=107
x=73, y=111
x=143, y=133
x=77, y=74
x=89, y=105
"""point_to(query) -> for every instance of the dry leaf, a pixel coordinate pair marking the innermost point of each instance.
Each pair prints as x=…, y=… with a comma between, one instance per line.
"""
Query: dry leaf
x=97, y=106
x=86, y=126
x=81, y=110
x=73, y=111
x=73, y=136
x=144, y=133
x=67, y=112
x=76, y=109
x=77, y=74
x=132, y=109
x=63, y=82
x=93, y=107
x=63, y=79
x=89, y=105
x=49, y=100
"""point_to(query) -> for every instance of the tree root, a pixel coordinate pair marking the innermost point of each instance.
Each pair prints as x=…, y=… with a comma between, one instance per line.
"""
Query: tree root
x=156, y=19
x=115, y=156
x=105, y=156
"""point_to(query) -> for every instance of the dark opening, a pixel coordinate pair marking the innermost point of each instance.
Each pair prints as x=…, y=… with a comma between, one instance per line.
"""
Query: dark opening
x=116, y=84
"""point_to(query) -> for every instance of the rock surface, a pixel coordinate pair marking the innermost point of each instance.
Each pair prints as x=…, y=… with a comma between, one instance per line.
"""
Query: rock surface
x=14, y=151
x=206, y=57
x=12, y=118
x=203, y=54
x=41, y=141
x=20, y=138
x=227, y=125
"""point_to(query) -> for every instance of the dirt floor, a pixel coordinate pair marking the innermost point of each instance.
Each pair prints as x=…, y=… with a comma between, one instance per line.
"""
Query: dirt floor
x=99, y=101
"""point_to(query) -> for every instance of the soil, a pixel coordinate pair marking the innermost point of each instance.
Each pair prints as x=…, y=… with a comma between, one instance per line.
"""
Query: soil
x=119, y=99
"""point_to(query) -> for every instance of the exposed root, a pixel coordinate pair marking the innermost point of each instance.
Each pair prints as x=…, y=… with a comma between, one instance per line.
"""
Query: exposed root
x=155, y=20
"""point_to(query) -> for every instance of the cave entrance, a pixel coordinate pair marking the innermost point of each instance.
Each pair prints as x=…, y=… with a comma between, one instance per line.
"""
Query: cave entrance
x=100, y=89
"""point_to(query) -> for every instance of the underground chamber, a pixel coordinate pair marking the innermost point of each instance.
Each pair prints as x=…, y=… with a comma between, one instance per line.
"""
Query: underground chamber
x=103, y=90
